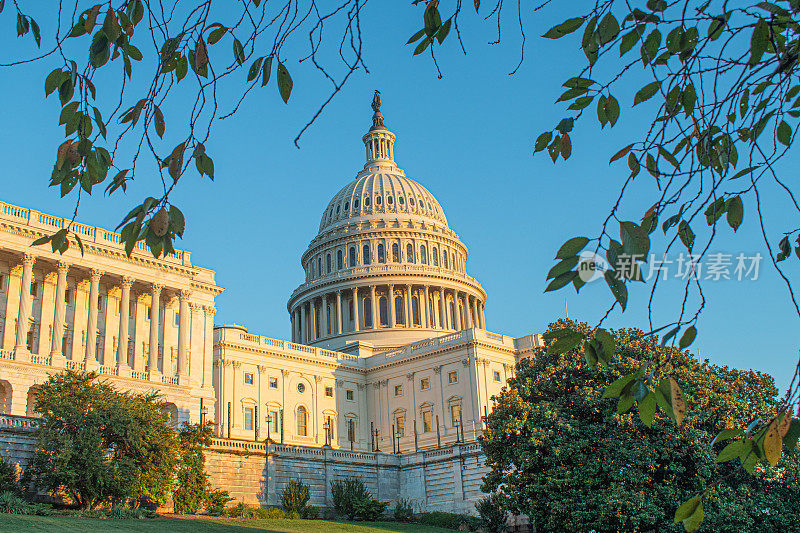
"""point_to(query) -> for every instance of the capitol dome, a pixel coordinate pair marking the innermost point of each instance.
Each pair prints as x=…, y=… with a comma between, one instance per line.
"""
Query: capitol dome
x=383, y=238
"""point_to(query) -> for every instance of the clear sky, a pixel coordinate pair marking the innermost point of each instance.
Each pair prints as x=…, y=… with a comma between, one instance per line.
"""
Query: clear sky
x=467, y=137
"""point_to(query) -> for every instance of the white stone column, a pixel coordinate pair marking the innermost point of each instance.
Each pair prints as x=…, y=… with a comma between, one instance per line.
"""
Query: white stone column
x=60, y=312
x=183, y=330
x=467, y=317
x=313, y=321
x=373, y=306
x=124, y=323
x=456, y=312
x=442, y=310
x=338, y=312
x=483, y=316
x=409, y=308
x=80, y=310
x=12, y=307
x=91, y=322
x=24, y=305
x=46, y=314
x=155, y=308
x=390, y=307
x=326, y=317
x=427, y=307
x=475, y=312
x=294, y=325
x=208, y=369
x=356, y=326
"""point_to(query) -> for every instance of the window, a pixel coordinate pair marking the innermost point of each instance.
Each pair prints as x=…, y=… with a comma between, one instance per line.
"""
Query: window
x=377, y=200
x=383, y=310
x=401, y=200
x=390, y=200
x=329, y=392
x=67, y=294
x=415, y=309
x=352, y=256
x=367, y=313
x=398, y=390
x=351, y=430
x=337, y=210
x=435, y=255
x=355, y=203
x=427, y=422
x=1, y=281
x=248, y=378
x=399, y=310
x=302, y=421
x=400, y=425
x=455, y=414
x=177, y=318
x=410, y=253
x=423, y=255
x=248, y=418
x=381, y=253
x=366, y=201
x=425, y=384
x=496, y=375
x=339, y=260
x=319, y=266
x=365, y=254
x=147, y=313
x=395, y=253
x=301, y=388
x=452, y=377
x=349, y=395
x=444, y=259
x=273, y=383
x=328, y=263
x=347, y=206
x=274, y=418
x=34, y=287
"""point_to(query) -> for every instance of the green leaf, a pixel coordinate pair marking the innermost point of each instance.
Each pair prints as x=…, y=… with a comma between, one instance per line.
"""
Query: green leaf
x=238, y=51
x=572, y=247
x=687, y=509
x=417, y=36
x=284, y=82
x=52, y=81
x=560, y=281
x=646, y=92
x=620, y=154
x=158, y=117
x=606, y=345
x=615, y=389
x=44, y=239
x=266, y=71
x=565, y=28
x=608, y=29
x=612, y=110
x=618, y=288
x=647, y=409
x=177, y=222
x=730, y=452
x=687, y=338
x=441, y=35
x=635, y=240
x=735, y=212
x=626, y=401
x=542, y=141
x=792, y=434
x=255, y=69
x=423, y=45
x=686, y=235
x=566, y=342
x=564, y=266
x=784, y=133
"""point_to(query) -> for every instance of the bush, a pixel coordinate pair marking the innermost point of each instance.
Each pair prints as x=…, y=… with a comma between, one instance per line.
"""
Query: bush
x=241, y=510
x=216, y=500
x=295, y=497
x=345, y=494
x=370, y=509
x=311, y=512
x=493, y=515
x=192, y=484
x=449, y=520
x=404, y=510
x=12, y=503
x=112, y=513
x=9, y=481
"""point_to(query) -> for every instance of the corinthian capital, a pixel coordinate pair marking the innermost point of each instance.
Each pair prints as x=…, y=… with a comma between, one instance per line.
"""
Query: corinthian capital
x=96, y=273
x=127, y=282
x=28, y=259
x=185, y=294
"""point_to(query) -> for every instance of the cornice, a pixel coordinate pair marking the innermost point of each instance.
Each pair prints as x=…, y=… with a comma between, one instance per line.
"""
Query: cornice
x=281, y=355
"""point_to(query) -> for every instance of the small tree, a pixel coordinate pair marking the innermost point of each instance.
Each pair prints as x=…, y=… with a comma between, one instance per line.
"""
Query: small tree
x=192, y=482
x=493, y=513
x=100, y=445
x=295, y=497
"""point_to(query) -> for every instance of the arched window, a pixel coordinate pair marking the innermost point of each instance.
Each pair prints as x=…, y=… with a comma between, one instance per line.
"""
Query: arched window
x=410, y=253
x=423, y=255
x=328, y=263
x=367, y=312
x=401, y=200
x=390, y=200
x=453, y=315
x=346, y=206
x=411, y=201
x=453, y=260
x=313, y=270
x=381, y=253
x=365, y=254
x=366, y=201
x=302, y=421
x=377, y=200
x=319, y=266
x=395, y=253
x=352, y=257
x=337, y=210
x=339, y=260
x=444, y=259
x=399, y=310
x=383, y=310
x=355, y=203
x=435, y=255
x=415, y=310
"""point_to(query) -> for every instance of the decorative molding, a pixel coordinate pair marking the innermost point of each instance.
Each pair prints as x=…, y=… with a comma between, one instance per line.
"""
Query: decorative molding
x=437, y=369
x=95, y=274
x=361, y=386
x=465, y=362
x=410, y=377
x=285, y=372
x=318, y=379
x=262, y=369
x=28, y=259
x=127, y=282
x=185, y=294
x=339, y=383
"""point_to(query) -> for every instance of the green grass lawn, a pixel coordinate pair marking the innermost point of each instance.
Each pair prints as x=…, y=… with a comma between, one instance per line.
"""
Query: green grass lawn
x=17, y=524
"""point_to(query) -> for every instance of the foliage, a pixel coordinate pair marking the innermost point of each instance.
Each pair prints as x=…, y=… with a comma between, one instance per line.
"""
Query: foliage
x=240, y=510
x=563, y=453
x=191, y=480
x=12, y=503
x=9, y=480
x=404, y=510
x=449, y=520
x=311, y=512
x=369, y=509
x=216, y=500
x=114, y=512
x=352, y=499
x=493, y=513
x=101, y=445
x=295, y=496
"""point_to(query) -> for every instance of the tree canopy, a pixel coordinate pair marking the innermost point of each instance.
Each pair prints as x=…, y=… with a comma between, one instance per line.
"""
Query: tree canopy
x=572, y=459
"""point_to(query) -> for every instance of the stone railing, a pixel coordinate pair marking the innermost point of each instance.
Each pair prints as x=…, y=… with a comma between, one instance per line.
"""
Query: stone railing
x=235, y=335
x=18, y=423
x=238, y=445
x=49, y=223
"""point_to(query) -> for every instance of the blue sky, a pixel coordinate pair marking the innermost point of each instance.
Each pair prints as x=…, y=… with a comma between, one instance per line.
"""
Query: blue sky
x=467, y=137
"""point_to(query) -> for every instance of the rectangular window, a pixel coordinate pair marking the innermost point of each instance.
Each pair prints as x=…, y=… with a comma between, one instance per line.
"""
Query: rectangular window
x=177, y=318
x=455, y=414
x=351, y=430
x=67, y=294
x=100, y=303
x=424, y=384
x=274, y=419
x=350, y=395
x=427, y=424
x=2, y=284
x=248, y=378
x=400, y=425
x=496, y=375
x=398, y=390
x=34, y=287
x=329, y=392
x=248, y=418
x=273, y=383
x=452, y=377
x=147, y=313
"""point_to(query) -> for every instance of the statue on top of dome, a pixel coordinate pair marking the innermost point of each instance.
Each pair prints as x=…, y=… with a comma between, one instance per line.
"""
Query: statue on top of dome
x=377, y=116
x=376, y=101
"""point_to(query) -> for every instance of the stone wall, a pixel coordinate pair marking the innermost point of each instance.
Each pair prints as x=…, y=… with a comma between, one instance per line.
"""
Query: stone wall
x=16, y=439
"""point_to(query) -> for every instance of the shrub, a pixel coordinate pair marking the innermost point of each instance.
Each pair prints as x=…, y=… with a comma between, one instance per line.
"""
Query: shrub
x=9, y=481
x=216, y=500
x=192, y=484
x=404, y=510
x=449, y=520
x=493, y=515
x=295, y=497
x=370, y=509
x=346, y=493
x=241, y=510
x=114, y=513
x=311, y=512
x=12, y=503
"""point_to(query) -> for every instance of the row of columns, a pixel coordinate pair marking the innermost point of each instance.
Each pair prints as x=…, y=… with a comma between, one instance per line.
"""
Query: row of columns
x=95, y=275
x=305, y=315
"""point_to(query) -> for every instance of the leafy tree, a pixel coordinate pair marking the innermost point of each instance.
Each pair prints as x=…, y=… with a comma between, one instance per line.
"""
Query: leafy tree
x=567, y=455
x=191, y=489
x=100, y=445
x=294, y=497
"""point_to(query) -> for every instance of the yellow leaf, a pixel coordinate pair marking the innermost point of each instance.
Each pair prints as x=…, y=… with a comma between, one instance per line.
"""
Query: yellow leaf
x=773, y=443
x=678, y=403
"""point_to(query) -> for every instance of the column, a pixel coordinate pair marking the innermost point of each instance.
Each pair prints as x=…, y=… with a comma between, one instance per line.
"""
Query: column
x=294, y=325
x=427, y=307
x=475, y=311
x=46, y=313
x=338, y=312
x=356, y=327
x=124, y=319
x=24, y=304
x=409, y=308
x=442, y=314
x=60, y=311
x=12, y=307
x=183, y=330
x=155, y=314
x=390, y=307
x=456, y=313
x=313, y=321
x=373, y=306
x=208, y=369
x=483, y=316
x=91, y=323
x=467, y=317
x=80, y=310
x=326, y=317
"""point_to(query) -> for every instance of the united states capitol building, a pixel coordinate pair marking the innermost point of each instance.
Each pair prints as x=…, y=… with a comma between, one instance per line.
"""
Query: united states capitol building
x=387, y=374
